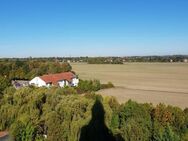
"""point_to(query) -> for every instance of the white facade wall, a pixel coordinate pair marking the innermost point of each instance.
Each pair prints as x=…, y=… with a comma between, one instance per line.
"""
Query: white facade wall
x=75, y=81
x=37, y=81
x=63, y=83
x=66, y=83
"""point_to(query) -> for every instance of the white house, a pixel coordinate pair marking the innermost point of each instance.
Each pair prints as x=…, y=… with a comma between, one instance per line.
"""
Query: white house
x=185, y=60
x=37, y=81
x=58, y=79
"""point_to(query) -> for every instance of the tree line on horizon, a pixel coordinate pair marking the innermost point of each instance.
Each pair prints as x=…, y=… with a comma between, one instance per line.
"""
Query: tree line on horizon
x=105, y=60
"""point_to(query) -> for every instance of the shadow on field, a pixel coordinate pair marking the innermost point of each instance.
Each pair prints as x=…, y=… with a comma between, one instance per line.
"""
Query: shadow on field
x=96, y=130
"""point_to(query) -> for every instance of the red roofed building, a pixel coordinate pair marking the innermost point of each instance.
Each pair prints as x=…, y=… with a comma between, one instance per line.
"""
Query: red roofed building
x=58, y=79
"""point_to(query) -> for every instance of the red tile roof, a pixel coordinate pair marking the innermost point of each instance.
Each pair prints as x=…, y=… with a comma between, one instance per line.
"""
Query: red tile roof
x=55, y=78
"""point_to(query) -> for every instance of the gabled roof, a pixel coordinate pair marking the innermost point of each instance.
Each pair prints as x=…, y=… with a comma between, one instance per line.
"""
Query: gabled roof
x=55, y=78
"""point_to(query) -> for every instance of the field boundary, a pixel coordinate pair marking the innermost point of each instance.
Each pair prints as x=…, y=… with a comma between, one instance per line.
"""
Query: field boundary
x=121, y=87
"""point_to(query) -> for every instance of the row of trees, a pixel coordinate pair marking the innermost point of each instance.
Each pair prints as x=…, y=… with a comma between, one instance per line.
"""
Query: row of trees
x=29, y=69
x=172, y=58
x=121, y=60
x=106, y=60
x=32, y=114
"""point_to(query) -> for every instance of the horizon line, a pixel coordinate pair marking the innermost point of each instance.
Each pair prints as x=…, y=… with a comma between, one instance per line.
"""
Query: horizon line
x=35, y=57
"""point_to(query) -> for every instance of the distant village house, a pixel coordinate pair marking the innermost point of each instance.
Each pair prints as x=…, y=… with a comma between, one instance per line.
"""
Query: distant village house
x=185, y=60
x=58, y=79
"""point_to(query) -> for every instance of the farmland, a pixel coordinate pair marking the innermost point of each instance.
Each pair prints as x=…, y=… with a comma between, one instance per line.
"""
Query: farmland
x=143, y=82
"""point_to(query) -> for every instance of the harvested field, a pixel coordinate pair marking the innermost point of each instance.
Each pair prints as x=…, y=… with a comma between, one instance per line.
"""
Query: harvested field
x=143, y=82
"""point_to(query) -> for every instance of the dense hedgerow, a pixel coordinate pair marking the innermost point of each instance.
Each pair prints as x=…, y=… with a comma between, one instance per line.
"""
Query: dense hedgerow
x=85, y=86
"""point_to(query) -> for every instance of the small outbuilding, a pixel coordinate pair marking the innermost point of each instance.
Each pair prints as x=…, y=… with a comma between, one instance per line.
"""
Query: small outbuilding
x=20, y=83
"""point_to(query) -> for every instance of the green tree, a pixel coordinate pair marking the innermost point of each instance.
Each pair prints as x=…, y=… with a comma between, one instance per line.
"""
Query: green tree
x=4, y=83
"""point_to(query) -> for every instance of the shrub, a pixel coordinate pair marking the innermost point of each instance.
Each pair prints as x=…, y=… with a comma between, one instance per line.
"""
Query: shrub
x=88, y=86
x=106, y=86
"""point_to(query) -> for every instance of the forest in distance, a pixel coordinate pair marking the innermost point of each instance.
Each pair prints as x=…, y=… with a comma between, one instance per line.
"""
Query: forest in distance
x=107, y=59
x=79, y=114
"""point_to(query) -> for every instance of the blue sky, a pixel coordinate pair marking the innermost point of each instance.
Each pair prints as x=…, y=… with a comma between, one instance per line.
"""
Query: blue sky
x=93, y=27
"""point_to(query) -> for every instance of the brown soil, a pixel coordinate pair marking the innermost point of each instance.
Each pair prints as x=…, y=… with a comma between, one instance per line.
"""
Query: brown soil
x=144, y=82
